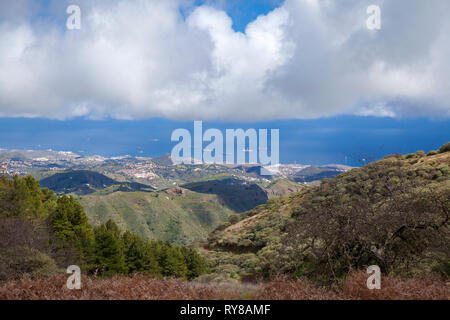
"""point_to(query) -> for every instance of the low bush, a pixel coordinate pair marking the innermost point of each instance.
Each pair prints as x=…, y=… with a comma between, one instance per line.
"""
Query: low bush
x=139, y=287
x=20, y=262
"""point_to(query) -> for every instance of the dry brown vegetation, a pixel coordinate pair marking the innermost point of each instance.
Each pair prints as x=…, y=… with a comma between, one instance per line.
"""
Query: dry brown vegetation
x=144, y=288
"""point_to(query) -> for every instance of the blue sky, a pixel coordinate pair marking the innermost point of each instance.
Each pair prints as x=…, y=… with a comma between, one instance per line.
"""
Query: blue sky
x=136, y=70
x=244, y=11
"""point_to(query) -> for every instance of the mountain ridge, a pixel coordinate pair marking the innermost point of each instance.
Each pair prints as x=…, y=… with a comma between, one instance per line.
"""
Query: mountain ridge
x=85, y=182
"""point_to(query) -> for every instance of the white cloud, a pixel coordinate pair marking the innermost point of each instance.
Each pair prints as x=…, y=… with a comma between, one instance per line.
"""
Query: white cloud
x=307, y=58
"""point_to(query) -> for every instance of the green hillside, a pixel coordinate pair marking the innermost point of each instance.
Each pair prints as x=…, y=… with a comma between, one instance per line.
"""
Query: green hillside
x=238, y=195
x=176, y=215
x=394, y=213
x=181, y=214
x=281, y=187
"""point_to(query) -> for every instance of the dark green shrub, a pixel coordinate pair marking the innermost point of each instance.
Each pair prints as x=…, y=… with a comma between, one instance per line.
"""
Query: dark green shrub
x=18, y=262
x=442, y=268
x=234, y=219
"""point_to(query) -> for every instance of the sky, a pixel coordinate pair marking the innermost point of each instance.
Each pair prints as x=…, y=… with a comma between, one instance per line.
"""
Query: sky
x=137, y=69
x=343, y=139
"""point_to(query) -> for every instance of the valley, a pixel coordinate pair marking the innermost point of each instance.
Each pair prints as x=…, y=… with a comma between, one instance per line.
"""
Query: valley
x=237, y=230
x=246, y=225
x=155, y=198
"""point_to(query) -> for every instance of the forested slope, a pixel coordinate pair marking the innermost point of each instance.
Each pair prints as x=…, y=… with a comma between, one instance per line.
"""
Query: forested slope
x=41, y=234
x=393, y=212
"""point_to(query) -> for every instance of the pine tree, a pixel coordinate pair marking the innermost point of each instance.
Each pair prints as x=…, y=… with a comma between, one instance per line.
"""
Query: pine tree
x=195, y=264
x=172, y=262
x=139, y=256
x=20, y=197
x=109, y=252
x=72, y=230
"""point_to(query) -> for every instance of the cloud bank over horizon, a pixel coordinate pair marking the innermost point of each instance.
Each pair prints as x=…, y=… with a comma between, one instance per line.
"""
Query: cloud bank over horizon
x=305, y=59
